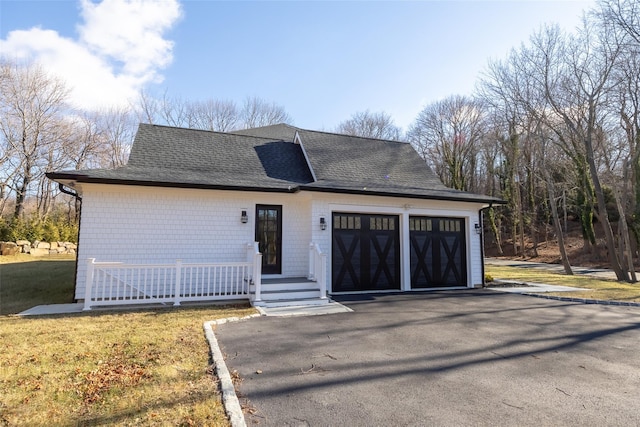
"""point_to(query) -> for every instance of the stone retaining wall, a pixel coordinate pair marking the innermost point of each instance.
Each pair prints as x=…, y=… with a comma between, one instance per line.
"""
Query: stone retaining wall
x=37, y=248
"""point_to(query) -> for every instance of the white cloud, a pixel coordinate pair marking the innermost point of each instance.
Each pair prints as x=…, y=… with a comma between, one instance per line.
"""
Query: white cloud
x=120, y=49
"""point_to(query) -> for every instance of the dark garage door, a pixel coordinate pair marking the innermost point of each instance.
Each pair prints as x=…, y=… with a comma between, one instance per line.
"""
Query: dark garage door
x=438, y=254
x=365, y=252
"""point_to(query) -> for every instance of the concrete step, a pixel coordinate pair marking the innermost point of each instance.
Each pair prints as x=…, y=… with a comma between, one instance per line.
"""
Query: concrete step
x=292, y=302
x=289, y=294
x=289, y=291
x=286, y=286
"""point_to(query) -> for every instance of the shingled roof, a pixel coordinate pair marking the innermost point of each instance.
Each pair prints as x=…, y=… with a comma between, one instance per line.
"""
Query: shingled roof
x=279, y=158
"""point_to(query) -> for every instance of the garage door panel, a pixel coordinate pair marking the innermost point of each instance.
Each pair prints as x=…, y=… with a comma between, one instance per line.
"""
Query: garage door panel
x=438, y=256
x=374, y=264
x=421, y=258
x=382, y=260
x=347, y=263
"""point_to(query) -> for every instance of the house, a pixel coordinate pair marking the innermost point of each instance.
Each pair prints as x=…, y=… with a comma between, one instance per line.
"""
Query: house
x=276, y=214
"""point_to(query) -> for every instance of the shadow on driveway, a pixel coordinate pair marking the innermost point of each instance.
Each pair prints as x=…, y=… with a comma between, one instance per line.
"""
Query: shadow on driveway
x=441, y=358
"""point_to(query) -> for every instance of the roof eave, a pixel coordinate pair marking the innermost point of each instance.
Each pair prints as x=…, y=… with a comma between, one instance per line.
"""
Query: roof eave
x=71, y=179
x=484, y=200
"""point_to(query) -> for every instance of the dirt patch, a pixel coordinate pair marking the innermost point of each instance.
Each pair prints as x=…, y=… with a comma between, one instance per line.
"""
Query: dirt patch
x=546, y=250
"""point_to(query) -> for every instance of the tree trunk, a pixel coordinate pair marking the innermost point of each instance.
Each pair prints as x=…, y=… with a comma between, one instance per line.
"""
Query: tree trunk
x=624, y=230
x=603, y=215
x=21, y=193
x=494, y=228
x=556, y=224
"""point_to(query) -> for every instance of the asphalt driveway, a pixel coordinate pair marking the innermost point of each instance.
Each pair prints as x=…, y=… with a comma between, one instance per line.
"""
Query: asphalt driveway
x=473, y=357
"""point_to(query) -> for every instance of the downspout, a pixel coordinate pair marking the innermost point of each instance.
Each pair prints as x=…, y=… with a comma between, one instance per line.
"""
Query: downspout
x=480, y=222
x=78, y=198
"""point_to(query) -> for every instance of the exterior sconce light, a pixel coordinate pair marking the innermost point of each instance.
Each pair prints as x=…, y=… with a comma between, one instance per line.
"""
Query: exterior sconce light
x=244, y=218
x=323, y=223
x=478, y=229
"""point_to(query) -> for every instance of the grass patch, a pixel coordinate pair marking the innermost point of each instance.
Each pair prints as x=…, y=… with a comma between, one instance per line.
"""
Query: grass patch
x=145, y=367
x=27, y=281
x=117, y=368
x=594, y=288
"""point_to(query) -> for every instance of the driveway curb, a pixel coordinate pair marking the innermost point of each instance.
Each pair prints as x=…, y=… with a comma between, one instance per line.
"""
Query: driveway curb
x=584, y=300
x=229, y=397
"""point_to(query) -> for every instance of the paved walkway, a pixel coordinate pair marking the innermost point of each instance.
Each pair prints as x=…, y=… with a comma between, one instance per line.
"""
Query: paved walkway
x=54, y=309
x=51, y=309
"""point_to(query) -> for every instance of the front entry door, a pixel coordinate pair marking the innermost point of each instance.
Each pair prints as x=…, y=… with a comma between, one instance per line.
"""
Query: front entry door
x=269, y=237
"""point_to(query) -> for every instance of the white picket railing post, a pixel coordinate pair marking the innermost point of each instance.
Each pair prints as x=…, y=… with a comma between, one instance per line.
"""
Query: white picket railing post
x=88, y=283
x=250, y=251
x=318, y=268
x=178, y=285
x=257, y=275
x=312, y=259
x=323, y=276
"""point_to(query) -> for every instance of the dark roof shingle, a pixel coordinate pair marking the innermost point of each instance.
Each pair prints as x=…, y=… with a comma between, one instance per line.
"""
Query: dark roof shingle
x=267, y=158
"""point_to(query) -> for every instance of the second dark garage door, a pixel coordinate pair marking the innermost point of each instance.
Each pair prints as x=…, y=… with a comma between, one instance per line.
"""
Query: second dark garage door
x=438, y=252
x=365, y=252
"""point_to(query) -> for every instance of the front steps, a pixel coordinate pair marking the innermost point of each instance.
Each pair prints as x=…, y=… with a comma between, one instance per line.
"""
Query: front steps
x=291, y=291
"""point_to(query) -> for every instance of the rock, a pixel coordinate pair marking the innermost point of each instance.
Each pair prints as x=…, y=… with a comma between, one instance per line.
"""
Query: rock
x=54, y=245
x=69, y=245
x=10, y=251
x=39, y=252
x=9, y=248
x=23, y=242
x=43, y=245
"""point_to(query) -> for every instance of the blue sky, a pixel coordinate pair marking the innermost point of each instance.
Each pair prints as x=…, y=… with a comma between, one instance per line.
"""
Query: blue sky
x=323, y=61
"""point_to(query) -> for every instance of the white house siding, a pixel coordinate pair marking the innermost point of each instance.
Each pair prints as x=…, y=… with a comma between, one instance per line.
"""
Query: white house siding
x=324, y=204
x=134, y=224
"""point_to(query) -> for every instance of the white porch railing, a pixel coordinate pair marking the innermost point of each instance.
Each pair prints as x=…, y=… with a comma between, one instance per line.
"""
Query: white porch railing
x=318, y=268
x=114, y=283
x=255, y=258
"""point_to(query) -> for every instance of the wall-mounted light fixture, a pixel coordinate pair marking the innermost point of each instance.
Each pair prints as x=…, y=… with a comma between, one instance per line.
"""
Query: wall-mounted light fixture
x=323, y=223
x=243, y=217
x=478, y=229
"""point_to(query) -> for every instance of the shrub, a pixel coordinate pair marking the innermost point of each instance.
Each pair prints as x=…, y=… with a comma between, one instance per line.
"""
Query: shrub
x=54, y=229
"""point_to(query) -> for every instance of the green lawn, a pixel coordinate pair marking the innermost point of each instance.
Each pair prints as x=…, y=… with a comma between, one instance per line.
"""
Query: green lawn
x=594, y=288
x=143, y=367
x=26, y=281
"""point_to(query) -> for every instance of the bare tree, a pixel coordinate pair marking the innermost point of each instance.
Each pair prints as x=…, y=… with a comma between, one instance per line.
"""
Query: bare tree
x=572, y=74
x=371, y=125
x=116, y=128
x=624, y=14
x=31, y=104
x=257, y=112
x=147, y=108
x=447, y=134
x=211, y=114
x=214, y=114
